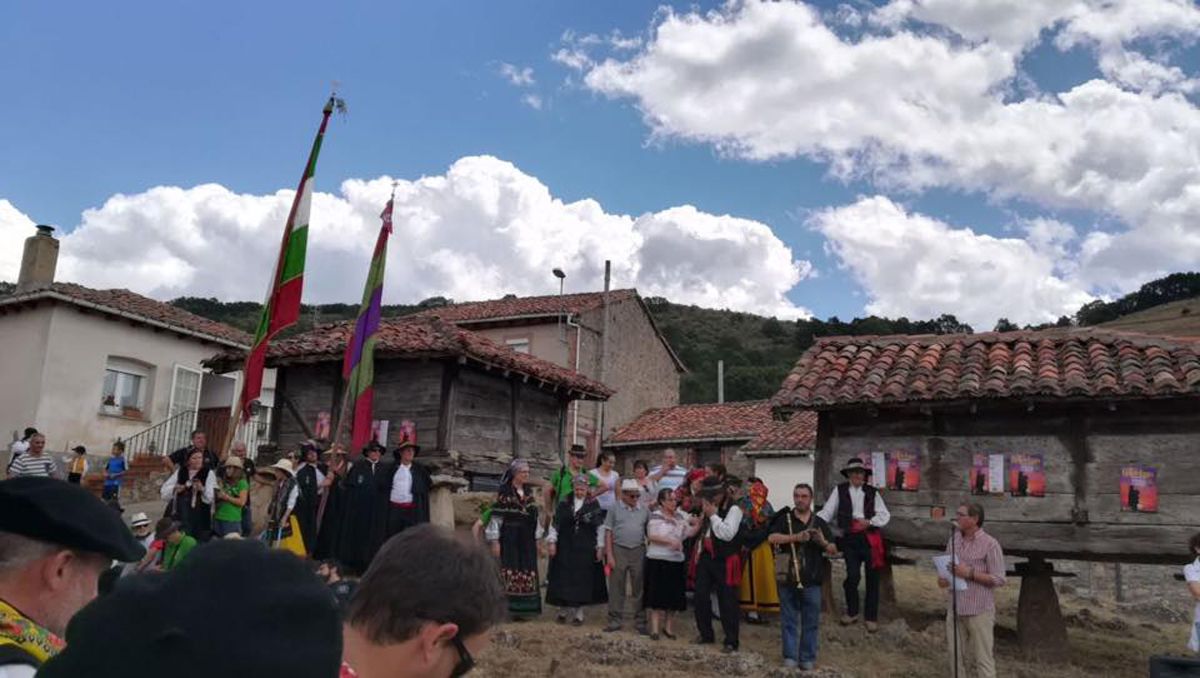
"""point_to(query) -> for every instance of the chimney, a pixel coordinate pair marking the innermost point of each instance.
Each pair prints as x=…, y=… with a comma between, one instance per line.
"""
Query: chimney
x=39, y=261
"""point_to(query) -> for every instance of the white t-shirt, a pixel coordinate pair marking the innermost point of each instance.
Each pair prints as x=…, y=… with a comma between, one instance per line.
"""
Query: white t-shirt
x=607, y=499
x=1191, y=572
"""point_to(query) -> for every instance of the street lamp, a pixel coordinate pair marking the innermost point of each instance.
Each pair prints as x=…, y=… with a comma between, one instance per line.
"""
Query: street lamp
x=562, y=277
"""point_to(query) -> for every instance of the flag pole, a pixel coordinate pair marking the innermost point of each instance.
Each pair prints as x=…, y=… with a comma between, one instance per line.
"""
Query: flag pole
x=282, y=305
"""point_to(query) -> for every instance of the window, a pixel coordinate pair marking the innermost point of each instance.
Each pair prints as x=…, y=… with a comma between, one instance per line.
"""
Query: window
x=518, y=345
x=125, y=385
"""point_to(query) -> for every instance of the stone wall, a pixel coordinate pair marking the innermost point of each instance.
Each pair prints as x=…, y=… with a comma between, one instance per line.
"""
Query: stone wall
x=638, y=365
x=689, y=456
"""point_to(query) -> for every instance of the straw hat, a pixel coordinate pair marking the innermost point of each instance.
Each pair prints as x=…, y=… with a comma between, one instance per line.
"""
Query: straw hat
x=285, y=466
x=233, y=461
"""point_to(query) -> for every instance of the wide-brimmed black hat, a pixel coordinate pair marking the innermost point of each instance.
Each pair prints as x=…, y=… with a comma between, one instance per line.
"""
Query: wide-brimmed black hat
x=79, y=449
x=65, y=514
x=408, y=444
x=855, y=464
x=277, y=619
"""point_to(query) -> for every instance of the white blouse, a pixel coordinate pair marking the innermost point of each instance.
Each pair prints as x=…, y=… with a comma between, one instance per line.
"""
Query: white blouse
x=210, y=486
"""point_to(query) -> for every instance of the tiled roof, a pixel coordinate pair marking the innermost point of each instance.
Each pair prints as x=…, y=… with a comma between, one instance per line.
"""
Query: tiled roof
x=684, y=423
x=1049, y=364
x=134, y=307
x=523, y=307
x=797, y=433
x=419, y=337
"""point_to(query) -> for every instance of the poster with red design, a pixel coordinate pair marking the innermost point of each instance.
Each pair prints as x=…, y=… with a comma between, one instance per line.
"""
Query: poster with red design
x=877, y=462
x=904, y=471
x=1139, y=489
x=407, y=432
x=379, y=431
x=987, y=474
x=1027, y=475
x=321, y=430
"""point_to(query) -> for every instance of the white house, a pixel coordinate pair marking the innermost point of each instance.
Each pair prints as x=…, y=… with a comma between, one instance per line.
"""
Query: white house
x=783, y=455
x=87, y=366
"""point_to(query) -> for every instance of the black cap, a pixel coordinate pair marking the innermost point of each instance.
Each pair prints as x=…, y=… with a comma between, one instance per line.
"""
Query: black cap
x=276, y=618
x=67, y=515
x=30, y=431
x=79, y=449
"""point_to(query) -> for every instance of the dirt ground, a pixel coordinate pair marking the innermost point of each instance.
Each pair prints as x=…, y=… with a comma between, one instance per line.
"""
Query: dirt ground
x=1105, y=641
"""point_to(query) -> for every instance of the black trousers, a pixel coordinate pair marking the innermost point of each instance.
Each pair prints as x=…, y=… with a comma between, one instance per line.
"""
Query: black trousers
x=858, y=557
x=710, y=577
x=400, y=518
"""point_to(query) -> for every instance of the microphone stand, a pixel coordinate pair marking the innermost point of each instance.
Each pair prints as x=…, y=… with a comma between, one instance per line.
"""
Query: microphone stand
x=954, y=591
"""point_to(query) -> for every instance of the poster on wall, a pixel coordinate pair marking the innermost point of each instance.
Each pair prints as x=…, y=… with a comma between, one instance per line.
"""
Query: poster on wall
x=1027, y=475
x=407, y=432
x=321, y=430
x=877, y=462
x=987, y=474
x=904, y=471
x=1139, y=489
x=379, y=431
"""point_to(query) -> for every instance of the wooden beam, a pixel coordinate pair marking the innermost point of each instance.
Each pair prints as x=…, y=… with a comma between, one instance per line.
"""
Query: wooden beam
x=445, y=429
x=514, y=400
x=291, y=406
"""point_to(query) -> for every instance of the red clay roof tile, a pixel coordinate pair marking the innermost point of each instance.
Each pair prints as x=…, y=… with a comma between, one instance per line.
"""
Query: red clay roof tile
x=711, y=421
x=1045, y=364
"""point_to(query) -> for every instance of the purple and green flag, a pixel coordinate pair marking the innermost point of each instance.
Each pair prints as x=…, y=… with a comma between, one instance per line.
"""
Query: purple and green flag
x=358, y=368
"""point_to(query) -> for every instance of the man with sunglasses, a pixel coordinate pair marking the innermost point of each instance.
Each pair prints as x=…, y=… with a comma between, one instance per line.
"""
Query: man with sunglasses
x=425, y=606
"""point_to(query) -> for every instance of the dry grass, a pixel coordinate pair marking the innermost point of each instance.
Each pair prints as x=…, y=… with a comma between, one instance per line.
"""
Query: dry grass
x=911, y=642
x=1178, y=318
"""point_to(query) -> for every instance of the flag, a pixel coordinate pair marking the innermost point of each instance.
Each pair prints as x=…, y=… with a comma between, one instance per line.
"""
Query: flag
x=282, y=306
x=358, y=367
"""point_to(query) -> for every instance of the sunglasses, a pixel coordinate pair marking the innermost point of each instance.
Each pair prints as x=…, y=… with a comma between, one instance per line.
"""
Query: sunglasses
x=465, y=661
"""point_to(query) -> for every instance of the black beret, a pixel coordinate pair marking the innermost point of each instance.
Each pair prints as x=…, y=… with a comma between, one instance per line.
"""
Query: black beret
x=65, y=514
x=233, y=608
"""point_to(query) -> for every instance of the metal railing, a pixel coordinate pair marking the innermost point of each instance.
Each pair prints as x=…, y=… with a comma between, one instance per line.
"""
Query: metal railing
x=171, y=434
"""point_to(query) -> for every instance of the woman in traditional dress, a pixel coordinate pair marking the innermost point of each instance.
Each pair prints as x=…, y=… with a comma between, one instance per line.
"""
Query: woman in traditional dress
x=576, y=575
x=758, y=592
x=666, y=574
x=283, y=530
x=188, y=491
x=513, y=531
x=364, y=509
x=329, y=506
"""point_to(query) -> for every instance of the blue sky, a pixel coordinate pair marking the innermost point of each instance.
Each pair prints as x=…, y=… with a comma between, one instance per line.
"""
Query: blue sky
x=120, y=98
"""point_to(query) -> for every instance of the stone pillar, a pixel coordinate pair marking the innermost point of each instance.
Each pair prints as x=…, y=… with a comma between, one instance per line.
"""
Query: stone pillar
x=1041, y=630
x=887, y=593
x=441, y=499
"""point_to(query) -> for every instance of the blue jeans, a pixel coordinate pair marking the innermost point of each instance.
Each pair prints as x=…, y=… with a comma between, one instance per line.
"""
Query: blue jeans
x=805, y=603
x=224, y=527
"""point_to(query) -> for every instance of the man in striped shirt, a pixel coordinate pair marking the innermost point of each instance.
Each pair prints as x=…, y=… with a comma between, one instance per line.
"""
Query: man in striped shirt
x=981, y=563
x=35, y=462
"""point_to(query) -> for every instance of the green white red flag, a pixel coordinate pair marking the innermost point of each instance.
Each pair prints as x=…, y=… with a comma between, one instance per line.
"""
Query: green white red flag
x=282, y=307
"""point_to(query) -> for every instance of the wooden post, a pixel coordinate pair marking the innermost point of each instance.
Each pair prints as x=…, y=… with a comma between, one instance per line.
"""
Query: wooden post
x=828, y=602
x=1041, y=630
x=887, y=593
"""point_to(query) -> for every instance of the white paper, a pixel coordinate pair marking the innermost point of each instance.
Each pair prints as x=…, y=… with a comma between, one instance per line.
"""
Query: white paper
x=942, y=563
x=879, y=469
x=995, y=482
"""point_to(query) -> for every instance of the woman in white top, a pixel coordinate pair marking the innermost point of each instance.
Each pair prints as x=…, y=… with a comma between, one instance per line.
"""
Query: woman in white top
x=606, y=491
x=1191, y=572
x=666, y=574
x=189, y=492
x=641, y=473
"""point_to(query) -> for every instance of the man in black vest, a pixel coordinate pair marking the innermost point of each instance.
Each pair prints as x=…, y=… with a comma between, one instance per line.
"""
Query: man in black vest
x=858, y=511
x=718, y=541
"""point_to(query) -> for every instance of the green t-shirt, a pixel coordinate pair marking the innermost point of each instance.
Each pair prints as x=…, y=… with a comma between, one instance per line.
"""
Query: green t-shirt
x=563, y=482
x=227, y=512
x=173, y=554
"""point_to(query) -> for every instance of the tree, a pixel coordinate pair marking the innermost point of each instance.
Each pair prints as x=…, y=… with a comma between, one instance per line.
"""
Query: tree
x=1005, y=325
x=772, y=328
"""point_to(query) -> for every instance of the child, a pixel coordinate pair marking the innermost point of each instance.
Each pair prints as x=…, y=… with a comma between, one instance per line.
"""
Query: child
x=114, y=471
x=79, y=465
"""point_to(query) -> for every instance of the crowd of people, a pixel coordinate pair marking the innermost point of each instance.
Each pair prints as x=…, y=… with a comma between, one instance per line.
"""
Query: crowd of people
x=641, y=545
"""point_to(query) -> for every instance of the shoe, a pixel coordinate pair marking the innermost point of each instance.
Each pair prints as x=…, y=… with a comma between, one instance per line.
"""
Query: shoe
x=729, y=649
x=807, y=666
x=577, y=622
x=872, y=627
x=612, y=627
x=701, y=641
x=653, y=636
x=789, y=663
x=668, y=635
x=561, y=618
x=848, y=620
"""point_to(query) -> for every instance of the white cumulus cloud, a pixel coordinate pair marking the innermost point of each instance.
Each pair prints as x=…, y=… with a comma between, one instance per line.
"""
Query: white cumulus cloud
x=920, y=267
x=931, y=94
x=481, y=230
